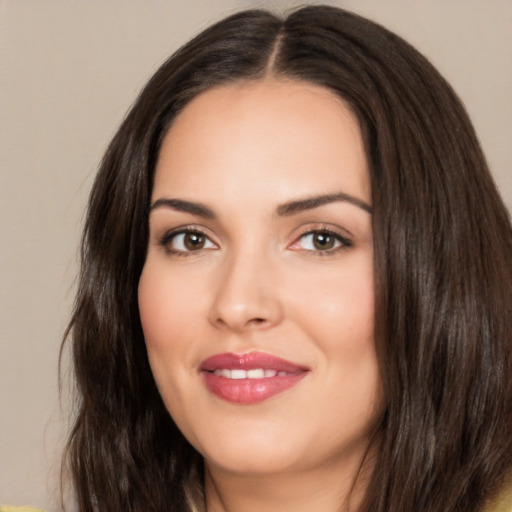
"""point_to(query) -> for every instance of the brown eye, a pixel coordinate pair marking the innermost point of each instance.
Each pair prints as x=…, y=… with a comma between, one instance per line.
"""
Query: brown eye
x=187, y=241
x=323, y=241
x=194, y=241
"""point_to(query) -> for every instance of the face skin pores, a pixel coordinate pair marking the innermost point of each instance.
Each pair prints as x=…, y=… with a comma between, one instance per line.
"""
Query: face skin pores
x=257, y=294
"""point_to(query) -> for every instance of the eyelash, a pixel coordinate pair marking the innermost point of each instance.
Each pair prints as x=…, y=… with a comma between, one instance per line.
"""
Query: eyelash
x=170, y=236
x=344, y=242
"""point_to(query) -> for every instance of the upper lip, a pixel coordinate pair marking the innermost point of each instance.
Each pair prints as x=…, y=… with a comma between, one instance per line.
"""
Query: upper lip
x=250, y=361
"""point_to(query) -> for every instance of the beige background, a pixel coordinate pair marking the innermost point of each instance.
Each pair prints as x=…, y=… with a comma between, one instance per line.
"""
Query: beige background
x=69, y=69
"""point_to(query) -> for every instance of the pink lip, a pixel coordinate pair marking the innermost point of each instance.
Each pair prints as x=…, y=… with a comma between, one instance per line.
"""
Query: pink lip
x=250, y=390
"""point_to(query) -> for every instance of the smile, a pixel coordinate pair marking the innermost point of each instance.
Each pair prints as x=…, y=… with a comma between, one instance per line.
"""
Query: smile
x=257, y=373
x=249, y=378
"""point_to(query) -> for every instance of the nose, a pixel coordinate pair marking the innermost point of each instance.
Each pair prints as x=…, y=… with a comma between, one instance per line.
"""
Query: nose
x=246, y=296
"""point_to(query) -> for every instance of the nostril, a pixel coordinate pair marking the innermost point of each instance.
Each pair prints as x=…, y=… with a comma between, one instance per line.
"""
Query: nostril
x=256, y=322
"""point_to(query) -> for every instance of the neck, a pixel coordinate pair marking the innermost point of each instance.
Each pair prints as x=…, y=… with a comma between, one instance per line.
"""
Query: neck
x=323, y=489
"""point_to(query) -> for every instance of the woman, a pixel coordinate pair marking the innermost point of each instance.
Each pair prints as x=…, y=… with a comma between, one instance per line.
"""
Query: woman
x=296, y=284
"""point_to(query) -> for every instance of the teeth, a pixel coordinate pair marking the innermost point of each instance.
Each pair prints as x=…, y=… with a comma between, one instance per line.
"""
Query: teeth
x=256, y=373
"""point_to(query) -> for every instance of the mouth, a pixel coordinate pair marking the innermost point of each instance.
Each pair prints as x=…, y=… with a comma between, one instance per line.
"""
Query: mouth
x=256, y=373
x=249, y=378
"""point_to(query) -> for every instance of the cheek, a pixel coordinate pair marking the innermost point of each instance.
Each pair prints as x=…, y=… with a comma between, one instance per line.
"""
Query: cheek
x=163, y=314
x=162, y=309
x=165, y=305
x=339, y=317
x=346, y=335
x=172, y=309
x=339, y=306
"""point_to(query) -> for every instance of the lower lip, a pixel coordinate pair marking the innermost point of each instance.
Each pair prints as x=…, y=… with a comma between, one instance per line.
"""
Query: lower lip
x=250, y=391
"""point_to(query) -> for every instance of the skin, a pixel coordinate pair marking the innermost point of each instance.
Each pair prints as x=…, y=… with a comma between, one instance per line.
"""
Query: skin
x=258, y=282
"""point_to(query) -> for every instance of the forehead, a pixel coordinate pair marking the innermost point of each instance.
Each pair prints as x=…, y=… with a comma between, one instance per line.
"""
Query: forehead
x=269, y=134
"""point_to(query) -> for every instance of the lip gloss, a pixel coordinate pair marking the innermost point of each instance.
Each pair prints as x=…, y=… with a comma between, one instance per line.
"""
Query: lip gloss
x=249, y=378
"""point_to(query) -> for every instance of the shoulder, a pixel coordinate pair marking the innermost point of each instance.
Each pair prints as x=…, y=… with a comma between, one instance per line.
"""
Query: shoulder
x=19, y=509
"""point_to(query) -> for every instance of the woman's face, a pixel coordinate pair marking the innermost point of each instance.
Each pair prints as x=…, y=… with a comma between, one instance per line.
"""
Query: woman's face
x=257, y=294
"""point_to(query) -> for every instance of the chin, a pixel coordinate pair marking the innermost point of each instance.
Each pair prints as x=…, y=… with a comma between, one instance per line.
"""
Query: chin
x=252, y=462
x=253, y=450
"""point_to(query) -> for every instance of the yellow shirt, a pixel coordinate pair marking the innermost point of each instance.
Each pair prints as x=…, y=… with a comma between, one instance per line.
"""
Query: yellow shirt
x=502, y=504
x=20, y=509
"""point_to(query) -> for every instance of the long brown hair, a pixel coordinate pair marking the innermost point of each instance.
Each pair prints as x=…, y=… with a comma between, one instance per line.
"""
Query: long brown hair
x=443, y=266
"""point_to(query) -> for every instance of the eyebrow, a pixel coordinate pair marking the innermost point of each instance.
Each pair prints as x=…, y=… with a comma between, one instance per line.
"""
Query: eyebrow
x=295, y=207
x=283, y=210
x=181, y=205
